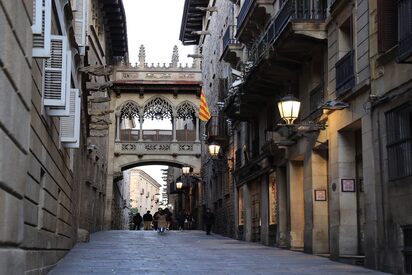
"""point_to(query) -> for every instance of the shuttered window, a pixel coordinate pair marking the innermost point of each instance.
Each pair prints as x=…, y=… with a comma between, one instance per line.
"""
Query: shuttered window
x=41, y=28
x=54, y=78
x=64, y=110
x=399, y=144
x=70, y=125
x=387, y=25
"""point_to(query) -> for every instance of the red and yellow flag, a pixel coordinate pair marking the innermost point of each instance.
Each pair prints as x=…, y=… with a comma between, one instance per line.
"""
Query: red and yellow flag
x=204, y=113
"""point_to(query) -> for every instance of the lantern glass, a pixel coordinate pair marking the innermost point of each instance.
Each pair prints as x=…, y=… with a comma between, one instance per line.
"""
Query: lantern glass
x=289, y=109
x=214, y=149
x=179, y=185
x=185, y=170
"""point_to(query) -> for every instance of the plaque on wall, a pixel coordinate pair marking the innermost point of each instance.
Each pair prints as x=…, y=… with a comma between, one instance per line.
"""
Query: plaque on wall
x=320, y=195
x=348, y=185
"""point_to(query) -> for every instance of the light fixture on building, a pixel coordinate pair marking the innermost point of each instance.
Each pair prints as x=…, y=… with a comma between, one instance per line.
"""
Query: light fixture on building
x=214, y=149
x=186, y=170
x=289, y=108
x=179, y=185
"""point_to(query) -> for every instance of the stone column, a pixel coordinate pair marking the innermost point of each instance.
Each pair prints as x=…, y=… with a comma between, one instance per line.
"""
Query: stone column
x=264, y=210
x=174, y=120
x=197, y=128
x=297, y=215
x=117, y=127
x=141, y=126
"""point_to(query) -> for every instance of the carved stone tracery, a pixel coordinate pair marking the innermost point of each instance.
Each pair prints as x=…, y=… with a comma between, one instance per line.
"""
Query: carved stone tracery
x=186, y=111
x=129, y=110
x=158, y=108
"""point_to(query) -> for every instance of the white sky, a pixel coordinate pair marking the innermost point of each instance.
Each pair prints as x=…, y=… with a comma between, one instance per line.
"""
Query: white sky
x=156, y=25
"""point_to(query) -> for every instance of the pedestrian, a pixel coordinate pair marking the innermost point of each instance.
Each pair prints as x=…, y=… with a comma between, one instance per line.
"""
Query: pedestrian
x=155, y=218
x=162, y=222
x=169, y=218
x=137, y=221
x=189, y=220
x=147, y=220
x=209, y=219
x=180, y=218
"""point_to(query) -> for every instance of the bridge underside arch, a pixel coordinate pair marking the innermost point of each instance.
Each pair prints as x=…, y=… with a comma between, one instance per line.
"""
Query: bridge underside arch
x=125, y=162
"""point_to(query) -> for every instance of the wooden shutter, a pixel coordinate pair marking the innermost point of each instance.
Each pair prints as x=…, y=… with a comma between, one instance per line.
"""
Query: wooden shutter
x=387, y=25
x=41, y=28
x=54, y=76
x=70, y=126
x=81, y=25
x=64, y=110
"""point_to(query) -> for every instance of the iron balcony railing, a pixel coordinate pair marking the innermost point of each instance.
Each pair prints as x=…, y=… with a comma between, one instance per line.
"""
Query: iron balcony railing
x=291, y=11
x=229, y=37
x=345, y=73
x=216, y=128
x=244, y=12
x=404, y=29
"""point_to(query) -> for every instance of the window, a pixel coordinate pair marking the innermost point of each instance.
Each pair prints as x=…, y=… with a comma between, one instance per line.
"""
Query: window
x=41, y=28
x=407, y=248
x=399, y=144
x=387, y=26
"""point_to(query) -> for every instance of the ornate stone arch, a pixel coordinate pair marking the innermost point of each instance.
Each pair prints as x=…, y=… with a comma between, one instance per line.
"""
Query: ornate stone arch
x=158, y=107
x=129, y=109
x=186, y=110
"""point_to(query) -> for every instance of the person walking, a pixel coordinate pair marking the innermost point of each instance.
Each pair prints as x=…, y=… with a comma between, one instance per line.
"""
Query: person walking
x=147, y=220
x=161, y=221
x=189, y=220
x=180, y=218
x=209, y=219
x=137, y=221
x=155, y=219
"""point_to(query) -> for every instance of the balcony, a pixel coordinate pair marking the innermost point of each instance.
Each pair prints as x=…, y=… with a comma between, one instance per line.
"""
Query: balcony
x=232, y=48
x=216, y=130
x=252, y=18
x=345, y=75
x=241, y=106
x=276, y=56
x=405, y=31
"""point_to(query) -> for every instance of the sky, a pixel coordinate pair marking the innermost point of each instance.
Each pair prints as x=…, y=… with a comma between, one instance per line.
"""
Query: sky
x=156, y=25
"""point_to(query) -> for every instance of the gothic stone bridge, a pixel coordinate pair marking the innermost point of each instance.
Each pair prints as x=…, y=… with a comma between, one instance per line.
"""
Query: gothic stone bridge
x=142, y=93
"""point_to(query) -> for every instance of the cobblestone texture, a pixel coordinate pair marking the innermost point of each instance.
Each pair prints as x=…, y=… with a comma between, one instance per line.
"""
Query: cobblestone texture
x=189, y=252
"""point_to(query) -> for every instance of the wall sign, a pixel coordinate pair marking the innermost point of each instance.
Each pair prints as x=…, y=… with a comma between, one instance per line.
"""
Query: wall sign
x=348, y=185
x=320, y=195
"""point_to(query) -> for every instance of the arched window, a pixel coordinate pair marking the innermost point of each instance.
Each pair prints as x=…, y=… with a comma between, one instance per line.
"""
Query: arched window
x=129, y=110
x=186, y=117
x=158, y=109
x=129, y=115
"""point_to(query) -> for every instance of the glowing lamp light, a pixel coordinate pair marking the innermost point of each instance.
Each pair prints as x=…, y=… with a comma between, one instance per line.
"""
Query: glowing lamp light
x=185, y=170
x=179, y=185
x=289, y=109
x=214, y=150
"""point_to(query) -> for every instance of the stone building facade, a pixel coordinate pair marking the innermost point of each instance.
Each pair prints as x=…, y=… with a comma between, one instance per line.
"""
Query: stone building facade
x=144, y=191
x=336, y=182
x=52, y=167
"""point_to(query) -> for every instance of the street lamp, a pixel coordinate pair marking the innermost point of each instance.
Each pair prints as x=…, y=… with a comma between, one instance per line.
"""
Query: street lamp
x=186, y=170
x=179, y=185
x=289, y=108
x=214, y=150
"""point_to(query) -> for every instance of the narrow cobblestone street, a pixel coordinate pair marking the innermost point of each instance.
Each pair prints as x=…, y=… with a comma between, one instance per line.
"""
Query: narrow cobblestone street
x=189, y=252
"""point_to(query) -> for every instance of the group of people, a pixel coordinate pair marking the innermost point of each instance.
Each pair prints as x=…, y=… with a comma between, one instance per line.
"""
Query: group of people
x=162, y=220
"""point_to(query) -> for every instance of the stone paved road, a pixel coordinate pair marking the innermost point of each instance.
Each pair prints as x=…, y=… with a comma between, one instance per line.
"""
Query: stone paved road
x=189, y=252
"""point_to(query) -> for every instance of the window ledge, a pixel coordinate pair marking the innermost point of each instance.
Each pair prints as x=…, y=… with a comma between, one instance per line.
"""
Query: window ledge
x=388, y=56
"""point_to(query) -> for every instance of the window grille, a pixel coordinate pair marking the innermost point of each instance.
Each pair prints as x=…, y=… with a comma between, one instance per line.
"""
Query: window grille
x=399, y=143
x=407, y=249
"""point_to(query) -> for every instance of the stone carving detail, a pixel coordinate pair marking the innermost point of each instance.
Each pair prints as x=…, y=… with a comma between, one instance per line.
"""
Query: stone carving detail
x=158, y=75
x=128, y=147
x=185, y=147
x=186, y=111
x=158, y=108
x=157, y=147
x=129, y=75
x=129, y=110
x=187, y=76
